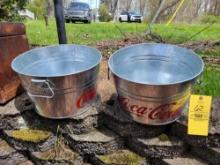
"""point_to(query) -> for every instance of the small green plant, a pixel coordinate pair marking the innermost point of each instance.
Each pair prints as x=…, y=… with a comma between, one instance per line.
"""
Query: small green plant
x=60, y=151
x=121, y=157
x=164, y=137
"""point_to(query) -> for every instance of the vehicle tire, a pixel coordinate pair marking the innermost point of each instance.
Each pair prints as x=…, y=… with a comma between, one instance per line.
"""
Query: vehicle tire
x=67, y=21
x=139, y=21
x=120, y=20
x=87, y=21
x=73, y=21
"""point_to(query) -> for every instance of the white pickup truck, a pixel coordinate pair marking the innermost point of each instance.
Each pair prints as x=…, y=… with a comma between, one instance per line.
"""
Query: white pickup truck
x=130, y=17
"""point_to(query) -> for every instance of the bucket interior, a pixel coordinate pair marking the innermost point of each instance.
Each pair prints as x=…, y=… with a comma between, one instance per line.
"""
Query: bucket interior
x=56, y=61
x=156, y=64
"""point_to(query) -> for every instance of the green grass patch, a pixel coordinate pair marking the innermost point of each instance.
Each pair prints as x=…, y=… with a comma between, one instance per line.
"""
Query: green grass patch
x=209, y=82
x=179, y=33
x=79, y=33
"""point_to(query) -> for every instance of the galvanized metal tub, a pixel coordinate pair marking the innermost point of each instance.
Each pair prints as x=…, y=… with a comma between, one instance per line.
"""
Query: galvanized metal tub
x=154, y=81
x=60, y=80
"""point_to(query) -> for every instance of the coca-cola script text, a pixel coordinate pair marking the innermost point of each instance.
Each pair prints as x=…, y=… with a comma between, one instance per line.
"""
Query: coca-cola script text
x=87, y=95
x=161, y=112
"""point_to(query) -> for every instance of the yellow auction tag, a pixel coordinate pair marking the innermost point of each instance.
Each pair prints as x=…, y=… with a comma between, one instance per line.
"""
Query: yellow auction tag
x=198, y=116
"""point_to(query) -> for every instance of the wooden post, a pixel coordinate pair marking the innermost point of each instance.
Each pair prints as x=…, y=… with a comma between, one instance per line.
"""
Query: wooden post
x=59, y=14
x=13, y=41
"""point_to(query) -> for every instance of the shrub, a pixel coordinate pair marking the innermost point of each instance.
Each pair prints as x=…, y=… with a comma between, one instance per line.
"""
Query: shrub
x=210, y=19
x=104, y=13
x=37, y=7
x=9, y=10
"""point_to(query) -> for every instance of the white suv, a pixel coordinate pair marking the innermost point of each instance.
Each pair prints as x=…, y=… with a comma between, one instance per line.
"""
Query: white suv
x=130, y=17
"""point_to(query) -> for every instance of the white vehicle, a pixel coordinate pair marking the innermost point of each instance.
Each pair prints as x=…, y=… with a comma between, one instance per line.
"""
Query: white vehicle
x=130, y=17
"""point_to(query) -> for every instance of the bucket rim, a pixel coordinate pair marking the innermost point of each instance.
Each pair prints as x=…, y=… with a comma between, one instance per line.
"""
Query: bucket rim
x=98, y=53
x=158, y=84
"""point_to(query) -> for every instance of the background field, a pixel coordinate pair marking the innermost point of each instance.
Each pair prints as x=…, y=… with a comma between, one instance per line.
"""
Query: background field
x=79, y=33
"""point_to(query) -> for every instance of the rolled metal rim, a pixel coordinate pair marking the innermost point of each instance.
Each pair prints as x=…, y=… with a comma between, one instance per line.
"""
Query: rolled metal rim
x=23, y=55
x=110, y=64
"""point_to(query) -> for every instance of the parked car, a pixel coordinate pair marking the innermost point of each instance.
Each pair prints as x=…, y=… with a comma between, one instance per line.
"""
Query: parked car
x=78, y=11
x=130, y=17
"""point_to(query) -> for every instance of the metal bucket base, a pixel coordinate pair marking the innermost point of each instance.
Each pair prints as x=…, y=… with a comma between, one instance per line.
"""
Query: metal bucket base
x=94, y=103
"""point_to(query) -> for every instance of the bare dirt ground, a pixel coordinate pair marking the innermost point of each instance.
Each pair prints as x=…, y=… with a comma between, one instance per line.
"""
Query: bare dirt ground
x=105, y=87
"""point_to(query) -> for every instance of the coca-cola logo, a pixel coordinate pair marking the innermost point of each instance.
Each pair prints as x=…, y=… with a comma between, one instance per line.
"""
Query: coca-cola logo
x=87, y=95
x=161, y=112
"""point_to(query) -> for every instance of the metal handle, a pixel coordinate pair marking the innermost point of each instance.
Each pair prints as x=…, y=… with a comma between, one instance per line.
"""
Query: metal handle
x=41, y=82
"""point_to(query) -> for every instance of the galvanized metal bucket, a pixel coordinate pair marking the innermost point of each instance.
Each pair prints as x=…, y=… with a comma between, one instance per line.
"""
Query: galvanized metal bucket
x=60, y=80
x=154, y=81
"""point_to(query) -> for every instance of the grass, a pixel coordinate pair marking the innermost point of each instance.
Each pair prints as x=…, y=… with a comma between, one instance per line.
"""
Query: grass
x=79, y=33
x=209, y=82
x=38, y=33
x=182, y=32
x=90, y=34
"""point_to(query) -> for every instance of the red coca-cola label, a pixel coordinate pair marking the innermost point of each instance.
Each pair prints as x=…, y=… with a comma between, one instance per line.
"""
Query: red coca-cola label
x=161, y=112
x=87, y=95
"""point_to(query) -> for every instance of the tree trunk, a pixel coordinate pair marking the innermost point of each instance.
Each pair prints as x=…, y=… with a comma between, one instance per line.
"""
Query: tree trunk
x=216, y=7
x=174, y=3
x=142, y=6
x=162, y=2
x=116, y=10
x=128, y=5
x=205, y=6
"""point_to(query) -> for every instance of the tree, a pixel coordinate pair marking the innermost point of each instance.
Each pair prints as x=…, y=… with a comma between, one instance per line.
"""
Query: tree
x=128, y=5
x=41, y=8
x=104, y=13
x=9, y=9
x=142, y=5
